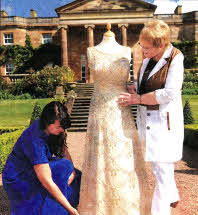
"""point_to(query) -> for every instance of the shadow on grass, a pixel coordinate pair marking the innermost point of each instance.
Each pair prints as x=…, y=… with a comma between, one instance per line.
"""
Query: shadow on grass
x=4, y=202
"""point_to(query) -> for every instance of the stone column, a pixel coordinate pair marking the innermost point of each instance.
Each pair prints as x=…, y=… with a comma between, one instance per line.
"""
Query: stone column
x=64, y=51
x=90, y=34
x=90, y=44
x=124, y=33
x=196, y=35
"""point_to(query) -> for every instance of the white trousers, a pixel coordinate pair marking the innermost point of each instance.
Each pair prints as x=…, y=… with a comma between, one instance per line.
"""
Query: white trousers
x=165, y=188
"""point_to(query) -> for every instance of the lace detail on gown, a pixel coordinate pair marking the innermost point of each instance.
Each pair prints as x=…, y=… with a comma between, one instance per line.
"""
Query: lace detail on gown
x=113, y=171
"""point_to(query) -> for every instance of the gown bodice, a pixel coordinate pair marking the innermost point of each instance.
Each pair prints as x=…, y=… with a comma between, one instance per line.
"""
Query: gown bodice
x=109, y=70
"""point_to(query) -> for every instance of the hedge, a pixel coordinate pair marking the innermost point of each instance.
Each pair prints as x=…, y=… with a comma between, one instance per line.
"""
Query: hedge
x=191, y=136
x=7, y=141
x=10, y=129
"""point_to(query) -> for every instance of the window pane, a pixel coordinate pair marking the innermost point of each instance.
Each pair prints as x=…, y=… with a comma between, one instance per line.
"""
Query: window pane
x=9, y=68
x=8, y=38
x=47, y=38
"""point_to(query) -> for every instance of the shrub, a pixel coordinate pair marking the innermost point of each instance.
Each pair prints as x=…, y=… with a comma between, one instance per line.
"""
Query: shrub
x=188, y=118
x=191, y=137
x=190, y=91
x=7, y=142
x=191, y=77
x=3, y=83
x=186, y=48
x=24, y=96
x=9, y=129
x=36, y=112
x=189, y=85
x=43, y=83
x=4, y=95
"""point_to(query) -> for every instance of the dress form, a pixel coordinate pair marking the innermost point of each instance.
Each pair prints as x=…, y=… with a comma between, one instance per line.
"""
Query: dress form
x=109, y=44
x=111, y=183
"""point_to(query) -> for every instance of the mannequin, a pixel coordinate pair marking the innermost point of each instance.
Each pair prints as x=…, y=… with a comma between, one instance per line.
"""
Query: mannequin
x=111, y=183
x=109, y=45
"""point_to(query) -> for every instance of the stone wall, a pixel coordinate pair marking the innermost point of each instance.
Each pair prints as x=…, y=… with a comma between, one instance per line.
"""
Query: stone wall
x=189, y=32
x=18, y=35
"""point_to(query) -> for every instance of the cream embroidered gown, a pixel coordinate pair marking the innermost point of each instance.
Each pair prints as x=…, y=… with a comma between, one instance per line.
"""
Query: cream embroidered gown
x=113, y=169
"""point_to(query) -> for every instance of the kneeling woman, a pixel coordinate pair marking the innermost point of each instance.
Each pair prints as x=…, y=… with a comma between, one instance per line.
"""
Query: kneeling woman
x=38, y=183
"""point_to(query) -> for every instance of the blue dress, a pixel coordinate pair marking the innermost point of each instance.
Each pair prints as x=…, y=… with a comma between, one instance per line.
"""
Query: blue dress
x=25, y=192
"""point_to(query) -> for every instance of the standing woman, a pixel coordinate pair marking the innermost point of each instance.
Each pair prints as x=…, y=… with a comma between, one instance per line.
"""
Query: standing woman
x=38, y=183
x=160, y=112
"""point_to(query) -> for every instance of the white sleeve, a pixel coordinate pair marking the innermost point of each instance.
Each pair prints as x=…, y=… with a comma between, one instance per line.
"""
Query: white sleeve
x=174, y=81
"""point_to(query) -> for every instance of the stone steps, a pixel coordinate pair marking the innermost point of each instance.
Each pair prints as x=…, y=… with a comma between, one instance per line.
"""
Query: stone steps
x=80, y=110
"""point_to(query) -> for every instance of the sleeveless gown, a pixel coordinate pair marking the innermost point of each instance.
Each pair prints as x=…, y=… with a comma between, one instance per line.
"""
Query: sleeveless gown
x=113, y=172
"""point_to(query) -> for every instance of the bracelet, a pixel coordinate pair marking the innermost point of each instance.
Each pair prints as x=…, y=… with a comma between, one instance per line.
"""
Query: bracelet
x=140, y=99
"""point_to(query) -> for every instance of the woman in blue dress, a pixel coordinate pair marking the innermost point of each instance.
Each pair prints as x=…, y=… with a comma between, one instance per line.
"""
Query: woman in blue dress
x=37, y=182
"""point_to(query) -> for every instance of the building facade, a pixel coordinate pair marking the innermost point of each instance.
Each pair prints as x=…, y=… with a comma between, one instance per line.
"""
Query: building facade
x=82, y=23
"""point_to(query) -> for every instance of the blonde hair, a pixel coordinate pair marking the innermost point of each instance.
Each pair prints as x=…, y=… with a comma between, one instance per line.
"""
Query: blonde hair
x=157, y=32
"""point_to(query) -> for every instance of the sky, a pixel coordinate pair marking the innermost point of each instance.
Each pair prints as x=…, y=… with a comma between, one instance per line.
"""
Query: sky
x=46, y=8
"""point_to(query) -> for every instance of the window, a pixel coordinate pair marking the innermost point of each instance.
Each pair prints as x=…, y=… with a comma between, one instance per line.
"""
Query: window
x=9, y=68
x=131, y=70
x=47, y=38
x=49, y=64
x=83, y=68
x=8, y=38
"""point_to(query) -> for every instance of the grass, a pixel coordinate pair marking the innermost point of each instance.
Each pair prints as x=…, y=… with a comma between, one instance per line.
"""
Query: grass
x=14, y=113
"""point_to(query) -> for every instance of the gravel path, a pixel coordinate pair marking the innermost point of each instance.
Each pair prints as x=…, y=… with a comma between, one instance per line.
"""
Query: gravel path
x=186, y=175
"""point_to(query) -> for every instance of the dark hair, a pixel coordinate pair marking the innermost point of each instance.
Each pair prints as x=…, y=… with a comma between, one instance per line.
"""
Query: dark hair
x=55, y=111
x=57, y=144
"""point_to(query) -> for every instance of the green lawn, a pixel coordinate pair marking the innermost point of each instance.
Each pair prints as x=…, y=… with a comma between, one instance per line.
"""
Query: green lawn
x=18, y=112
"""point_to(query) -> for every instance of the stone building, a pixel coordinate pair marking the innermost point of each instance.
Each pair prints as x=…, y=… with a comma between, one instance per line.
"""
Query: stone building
x=81, y=24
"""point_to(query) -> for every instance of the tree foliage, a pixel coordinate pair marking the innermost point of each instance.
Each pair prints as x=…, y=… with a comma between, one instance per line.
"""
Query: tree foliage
x=188, y=117
x=44, y=54
x=42, y=84
x=187, y=47
x=28, y=43
x=3, y=83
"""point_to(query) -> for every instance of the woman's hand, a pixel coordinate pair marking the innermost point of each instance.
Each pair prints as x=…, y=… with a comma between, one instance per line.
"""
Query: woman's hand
x=72, y=177
x=44, y=175
x=74, y=212
x=131, y=88
x=126, y=99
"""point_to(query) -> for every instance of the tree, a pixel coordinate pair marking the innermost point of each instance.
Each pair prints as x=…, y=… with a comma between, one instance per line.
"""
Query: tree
x=28, y=43
x=188, y=118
